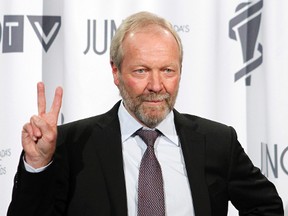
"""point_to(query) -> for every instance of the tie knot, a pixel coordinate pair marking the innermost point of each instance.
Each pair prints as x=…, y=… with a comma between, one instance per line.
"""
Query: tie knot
x=148, y=136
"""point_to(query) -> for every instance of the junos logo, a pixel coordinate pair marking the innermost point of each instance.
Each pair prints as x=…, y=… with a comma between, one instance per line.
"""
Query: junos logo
x=93, y=36
x=244, y=27
x=45, y=27
x=100, y=33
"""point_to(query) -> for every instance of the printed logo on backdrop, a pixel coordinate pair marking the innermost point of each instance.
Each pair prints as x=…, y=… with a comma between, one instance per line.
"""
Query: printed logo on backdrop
x=274, y=160
x=93, y=36
x=100, y=33
x=45, y=27
x=4, y=154
x=244, y=28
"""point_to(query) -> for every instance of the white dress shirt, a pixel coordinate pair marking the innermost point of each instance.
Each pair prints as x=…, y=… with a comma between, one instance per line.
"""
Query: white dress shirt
x=178, y=199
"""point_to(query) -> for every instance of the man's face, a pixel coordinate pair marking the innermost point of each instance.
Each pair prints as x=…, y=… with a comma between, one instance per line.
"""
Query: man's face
x=149, y=77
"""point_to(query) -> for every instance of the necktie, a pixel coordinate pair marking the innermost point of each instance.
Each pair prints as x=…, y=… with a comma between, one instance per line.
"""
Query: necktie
x=150, y=182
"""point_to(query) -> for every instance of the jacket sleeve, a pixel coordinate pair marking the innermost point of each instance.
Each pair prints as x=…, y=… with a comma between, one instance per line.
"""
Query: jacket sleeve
x=44, y=193
x=248, y=189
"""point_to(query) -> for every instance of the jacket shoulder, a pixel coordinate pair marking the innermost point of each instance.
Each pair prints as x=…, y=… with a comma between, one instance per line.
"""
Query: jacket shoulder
x=87, y=125
x=204, y=125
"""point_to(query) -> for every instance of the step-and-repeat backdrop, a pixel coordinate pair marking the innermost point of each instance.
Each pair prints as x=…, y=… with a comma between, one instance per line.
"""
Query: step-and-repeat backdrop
x=235, y=69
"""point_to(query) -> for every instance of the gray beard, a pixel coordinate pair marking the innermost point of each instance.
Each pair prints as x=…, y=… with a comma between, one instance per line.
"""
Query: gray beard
x=149, y=116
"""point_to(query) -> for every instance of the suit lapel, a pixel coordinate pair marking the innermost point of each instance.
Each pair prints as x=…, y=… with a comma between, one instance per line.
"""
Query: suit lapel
x=193, y=147
x=111, y=159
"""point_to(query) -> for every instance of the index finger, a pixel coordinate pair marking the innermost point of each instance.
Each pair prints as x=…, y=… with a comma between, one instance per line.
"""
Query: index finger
x=57, y=101
x=41, y=99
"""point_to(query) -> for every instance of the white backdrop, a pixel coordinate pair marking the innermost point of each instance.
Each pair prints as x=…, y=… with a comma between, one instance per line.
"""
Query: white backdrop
x=67, y=43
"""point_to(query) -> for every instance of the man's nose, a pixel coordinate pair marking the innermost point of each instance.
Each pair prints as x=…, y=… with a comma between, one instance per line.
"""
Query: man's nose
x=155, y=82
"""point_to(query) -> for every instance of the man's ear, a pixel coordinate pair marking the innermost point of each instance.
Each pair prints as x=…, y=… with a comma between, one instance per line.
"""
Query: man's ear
x=115, y=73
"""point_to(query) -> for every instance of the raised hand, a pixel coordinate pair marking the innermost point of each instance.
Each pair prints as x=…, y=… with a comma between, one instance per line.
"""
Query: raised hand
x=40, y=134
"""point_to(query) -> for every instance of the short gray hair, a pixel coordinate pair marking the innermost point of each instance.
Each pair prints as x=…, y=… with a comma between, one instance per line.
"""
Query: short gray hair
x=137, y=21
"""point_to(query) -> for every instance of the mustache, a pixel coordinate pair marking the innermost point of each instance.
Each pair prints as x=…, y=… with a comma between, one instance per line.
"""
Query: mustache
x=154, y=97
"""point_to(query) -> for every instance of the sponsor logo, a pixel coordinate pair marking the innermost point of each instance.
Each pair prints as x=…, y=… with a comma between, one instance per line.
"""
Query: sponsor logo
x=244, y=28
x=45, y=27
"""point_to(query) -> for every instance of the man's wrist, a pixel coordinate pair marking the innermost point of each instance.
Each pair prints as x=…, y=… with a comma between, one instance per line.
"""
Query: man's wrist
x=31, y=169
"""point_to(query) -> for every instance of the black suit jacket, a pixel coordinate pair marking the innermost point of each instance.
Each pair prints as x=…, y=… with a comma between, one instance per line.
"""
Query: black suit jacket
x=86, y=177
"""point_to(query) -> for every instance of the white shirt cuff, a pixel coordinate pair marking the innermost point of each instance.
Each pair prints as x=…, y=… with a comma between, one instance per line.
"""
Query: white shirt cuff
x=31, y=169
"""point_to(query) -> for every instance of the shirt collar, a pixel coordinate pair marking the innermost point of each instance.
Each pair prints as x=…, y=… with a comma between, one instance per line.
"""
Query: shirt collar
x=129, y=125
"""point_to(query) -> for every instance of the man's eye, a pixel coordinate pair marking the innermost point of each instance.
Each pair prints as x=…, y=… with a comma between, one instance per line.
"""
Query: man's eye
x=140, y=70
x=168, y=70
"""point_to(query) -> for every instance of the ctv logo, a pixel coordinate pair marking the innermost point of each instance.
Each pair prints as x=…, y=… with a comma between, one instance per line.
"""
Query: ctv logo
x=12, y=31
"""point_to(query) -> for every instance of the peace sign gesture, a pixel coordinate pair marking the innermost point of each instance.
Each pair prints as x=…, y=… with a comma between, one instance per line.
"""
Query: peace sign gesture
x=40, y=134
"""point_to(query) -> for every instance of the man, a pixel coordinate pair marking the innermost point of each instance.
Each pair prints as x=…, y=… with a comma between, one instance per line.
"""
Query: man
x=91, y=166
